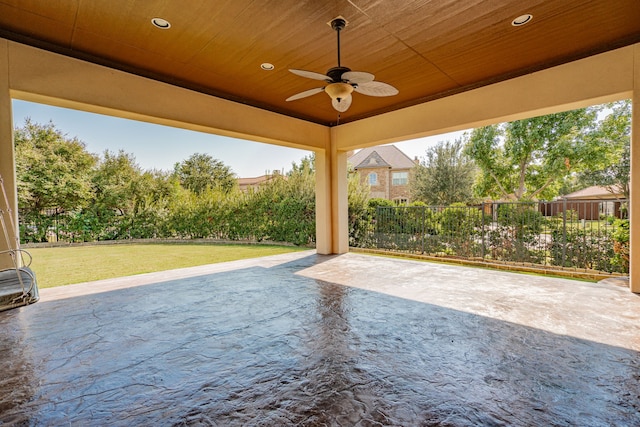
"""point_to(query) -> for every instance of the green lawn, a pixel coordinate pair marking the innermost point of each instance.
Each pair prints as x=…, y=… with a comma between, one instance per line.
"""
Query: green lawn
x=67, y=265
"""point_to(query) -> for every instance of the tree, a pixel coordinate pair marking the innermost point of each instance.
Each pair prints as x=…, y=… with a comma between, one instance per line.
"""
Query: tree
x=359, y=217
x=201, y=172
x=53, y=170
x=529, y=158
x=444, y=176
x=613, y=138
x=158, y=185
x=287, y=204
x=116, y=182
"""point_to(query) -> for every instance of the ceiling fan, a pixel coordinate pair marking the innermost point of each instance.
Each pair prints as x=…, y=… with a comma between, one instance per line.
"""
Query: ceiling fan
x=342, y=81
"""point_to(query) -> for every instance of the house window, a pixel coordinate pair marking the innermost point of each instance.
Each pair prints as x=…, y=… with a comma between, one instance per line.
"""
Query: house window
x=373, y=178
x=400, y=178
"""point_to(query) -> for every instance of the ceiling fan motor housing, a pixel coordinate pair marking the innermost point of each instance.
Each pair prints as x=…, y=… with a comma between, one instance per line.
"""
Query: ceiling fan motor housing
x=336, y=73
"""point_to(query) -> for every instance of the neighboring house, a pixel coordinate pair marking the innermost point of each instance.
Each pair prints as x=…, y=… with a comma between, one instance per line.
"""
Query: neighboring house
x=596, y=192
x=387, y=171
x=244, y=184
x=589, y=203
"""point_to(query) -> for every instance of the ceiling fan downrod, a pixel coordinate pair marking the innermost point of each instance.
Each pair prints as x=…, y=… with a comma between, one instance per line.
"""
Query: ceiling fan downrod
x=338, y=24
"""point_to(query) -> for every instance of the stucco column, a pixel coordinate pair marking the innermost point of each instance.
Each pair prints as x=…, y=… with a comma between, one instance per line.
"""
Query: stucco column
x=634, y=214
x=332, y=230
x=323, y=202
x=7, y=169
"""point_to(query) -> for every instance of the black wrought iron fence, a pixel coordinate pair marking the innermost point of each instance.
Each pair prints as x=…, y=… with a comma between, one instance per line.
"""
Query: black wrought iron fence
x=591, y=234
x=58, y=225
x=46, y=225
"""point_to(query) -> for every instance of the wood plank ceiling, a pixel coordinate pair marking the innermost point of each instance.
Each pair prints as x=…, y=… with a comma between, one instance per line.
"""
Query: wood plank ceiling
x=425, y=48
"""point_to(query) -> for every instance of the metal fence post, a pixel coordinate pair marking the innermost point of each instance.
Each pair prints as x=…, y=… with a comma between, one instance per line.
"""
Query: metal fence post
x=57, y=223
x=483, y=232
x=423, y=225
x=564, y=232
x=378, y=219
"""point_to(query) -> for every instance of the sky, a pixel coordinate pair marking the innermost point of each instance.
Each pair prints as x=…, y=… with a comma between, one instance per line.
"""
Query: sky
x=161, y=147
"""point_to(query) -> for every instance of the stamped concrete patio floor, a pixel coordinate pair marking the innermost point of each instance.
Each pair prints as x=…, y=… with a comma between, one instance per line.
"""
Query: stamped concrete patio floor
x=303, y=339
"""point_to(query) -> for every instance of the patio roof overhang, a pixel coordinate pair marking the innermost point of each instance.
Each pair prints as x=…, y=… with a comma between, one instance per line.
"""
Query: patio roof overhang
x=427, y=50
x=38, y=67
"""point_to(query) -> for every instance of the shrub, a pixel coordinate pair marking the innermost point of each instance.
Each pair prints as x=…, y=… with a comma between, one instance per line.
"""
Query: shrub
x=621, y=244
x=524, y=219
x=360, y=224
x=515, y=234
x=583, y=249
x=459, y=227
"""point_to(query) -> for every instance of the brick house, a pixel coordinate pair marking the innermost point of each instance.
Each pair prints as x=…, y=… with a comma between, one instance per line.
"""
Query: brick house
x=386, y=169
x=589, y=203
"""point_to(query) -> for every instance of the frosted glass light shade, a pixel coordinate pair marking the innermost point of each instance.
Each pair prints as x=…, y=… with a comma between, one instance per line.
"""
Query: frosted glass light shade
x=338, y=90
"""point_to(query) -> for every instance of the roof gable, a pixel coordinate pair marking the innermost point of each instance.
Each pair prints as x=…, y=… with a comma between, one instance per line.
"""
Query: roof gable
x=381, y=156
x=373, y=160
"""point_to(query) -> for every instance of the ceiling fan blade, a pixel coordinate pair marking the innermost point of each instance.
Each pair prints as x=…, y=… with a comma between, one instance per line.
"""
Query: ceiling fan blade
x=358, y=77
x=343, y=105
x=311, y=75
x=376, y=89
x=305, y=94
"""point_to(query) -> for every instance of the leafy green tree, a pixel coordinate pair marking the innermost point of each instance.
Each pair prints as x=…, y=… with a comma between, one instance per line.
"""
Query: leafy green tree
x=180, y=220
x=158, y=186
x=287, y=205
x=528, y=158
x=116, y=183
x=201, y=172
x=301, y=180
x=53, y=170
x=613, y=138
x=128, y=202
x=444, y=176
x=360, y=226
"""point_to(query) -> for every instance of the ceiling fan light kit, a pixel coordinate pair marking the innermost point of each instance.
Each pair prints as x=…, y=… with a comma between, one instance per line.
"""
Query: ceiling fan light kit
x=342, y=81
x=338, y=90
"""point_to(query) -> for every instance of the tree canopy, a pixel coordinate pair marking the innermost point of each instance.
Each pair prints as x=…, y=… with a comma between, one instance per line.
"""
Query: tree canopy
x=53, y=170
x=201, y=172
x=613, y=140
x=528, y=159
x=444, y=176
x=116, y=181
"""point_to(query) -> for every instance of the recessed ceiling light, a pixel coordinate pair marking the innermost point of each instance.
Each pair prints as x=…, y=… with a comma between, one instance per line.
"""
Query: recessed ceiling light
x=522, y=19
x=267, y=66
x=163, y=24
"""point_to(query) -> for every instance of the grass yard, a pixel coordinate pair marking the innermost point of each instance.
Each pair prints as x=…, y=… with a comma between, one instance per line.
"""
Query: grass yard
x=76, y=264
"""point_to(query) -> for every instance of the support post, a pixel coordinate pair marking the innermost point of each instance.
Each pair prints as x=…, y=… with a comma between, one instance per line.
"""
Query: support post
x=332, y=230
x=634, y=193
x=7, y=167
